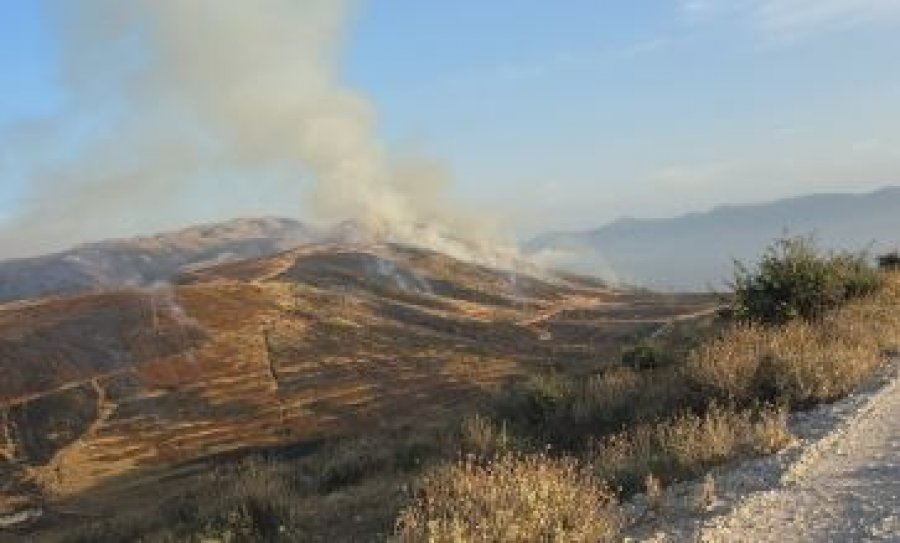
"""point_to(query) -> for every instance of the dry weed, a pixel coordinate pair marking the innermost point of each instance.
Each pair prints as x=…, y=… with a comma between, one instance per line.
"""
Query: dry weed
x=706, y=493
x=653, y=491
x=513, y=498
x=801, y=362
x=482, y=437
x=687, y=445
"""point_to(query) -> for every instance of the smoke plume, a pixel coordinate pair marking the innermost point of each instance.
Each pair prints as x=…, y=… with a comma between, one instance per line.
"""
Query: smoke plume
x=175, y=107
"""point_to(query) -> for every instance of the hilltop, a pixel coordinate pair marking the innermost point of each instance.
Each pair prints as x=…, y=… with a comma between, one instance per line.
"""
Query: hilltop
x=135, y=262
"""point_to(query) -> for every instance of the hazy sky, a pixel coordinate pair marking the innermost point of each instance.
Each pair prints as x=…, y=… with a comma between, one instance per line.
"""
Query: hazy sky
x=571, y=113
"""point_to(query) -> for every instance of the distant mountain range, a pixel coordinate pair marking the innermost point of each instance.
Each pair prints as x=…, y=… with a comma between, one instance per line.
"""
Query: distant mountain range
x=691, y=252
x=143, y=261
x=696, y=251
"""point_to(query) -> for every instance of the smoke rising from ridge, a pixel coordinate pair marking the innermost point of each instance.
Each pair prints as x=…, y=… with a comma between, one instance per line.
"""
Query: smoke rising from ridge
x=176, y=105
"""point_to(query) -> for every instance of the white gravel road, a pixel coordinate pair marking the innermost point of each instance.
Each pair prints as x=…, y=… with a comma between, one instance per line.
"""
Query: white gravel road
x=845, y=487
x=839, y=483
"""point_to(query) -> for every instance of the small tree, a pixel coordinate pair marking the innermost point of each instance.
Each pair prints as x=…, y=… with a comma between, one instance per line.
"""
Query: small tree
x=794, y=279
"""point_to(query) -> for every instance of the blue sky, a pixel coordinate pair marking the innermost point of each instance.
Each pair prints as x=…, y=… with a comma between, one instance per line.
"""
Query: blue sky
x=569, y=114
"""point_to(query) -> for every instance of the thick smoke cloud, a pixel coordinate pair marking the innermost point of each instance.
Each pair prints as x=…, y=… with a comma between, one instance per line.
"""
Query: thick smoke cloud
x=175, y=106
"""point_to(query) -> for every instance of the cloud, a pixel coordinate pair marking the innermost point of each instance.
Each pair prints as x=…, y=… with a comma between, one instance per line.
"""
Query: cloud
x=794, y=19
x=701, y=9
x=536, y=68
x=789, y=18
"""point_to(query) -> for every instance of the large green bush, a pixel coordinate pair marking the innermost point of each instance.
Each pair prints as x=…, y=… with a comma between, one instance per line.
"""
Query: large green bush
x=795, y=279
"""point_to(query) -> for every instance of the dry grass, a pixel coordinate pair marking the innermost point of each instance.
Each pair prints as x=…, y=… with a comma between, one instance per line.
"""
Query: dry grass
x=653, y=490
x=686, y=445
x=483, y=438
x=253, y=503
x=564, y=411
x=514, y=499
x=619, y=424
x=539, y=498
x=727, y=366
x=474, y=501
x=801, y=362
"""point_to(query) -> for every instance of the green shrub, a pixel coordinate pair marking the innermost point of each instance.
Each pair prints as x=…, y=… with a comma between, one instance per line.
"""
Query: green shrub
x=800, y=363
x=794, y=279
x=351, y=461
x=889, y=261
x=563, y=411
x=647, y=354
x=252, y=501
x=120, y=530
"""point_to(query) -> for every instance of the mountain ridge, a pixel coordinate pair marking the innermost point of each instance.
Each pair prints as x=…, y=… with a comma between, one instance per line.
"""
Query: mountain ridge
x=142, y=261
x=695, y=250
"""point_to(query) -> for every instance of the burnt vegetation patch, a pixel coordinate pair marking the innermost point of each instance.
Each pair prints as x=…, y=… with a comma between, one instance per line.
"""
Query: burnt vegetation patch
x=42, y=427
x=53, y=344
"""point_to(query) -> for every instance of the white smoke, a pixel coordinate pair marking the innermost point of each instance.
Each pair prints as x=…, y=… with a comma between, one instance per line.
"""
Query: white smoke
x=577, y=257
x=407, y=280
x=179, y=105
x=163, y=300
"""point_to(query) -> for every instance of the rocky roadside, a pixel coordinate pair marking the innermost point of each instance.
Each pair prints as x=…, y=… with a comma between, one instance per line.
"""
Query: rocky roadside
x=838, y=481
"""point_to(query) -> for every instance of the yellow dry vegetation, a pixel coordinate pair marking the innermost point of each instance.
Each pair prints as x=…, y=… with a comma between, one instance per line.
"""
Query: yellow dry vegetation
x=740, y=375
x=686, y=445
x=511, y=498
x=802, y=362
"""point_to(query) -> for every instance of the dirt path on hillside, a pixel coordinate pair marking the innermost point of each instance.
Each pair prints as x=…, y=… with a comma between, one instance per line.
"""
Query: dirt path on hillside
x=569, y=303
x=846, y=487
x=92, y=380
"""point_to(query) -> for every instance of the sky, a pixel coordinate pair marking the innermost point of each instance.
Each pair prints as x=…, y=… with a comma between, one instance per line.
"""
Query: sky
x=570, y=114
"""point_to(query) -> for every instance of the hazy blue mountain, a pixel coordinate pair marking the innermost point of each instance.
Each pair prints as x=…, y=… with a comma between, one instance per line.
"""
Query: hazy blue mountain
x=696, y=251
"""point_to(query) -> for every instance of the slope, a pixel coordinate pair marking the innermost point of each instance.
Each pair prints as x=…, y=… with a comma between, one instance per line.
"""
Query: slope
x=316, y=342
x=143, y=261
